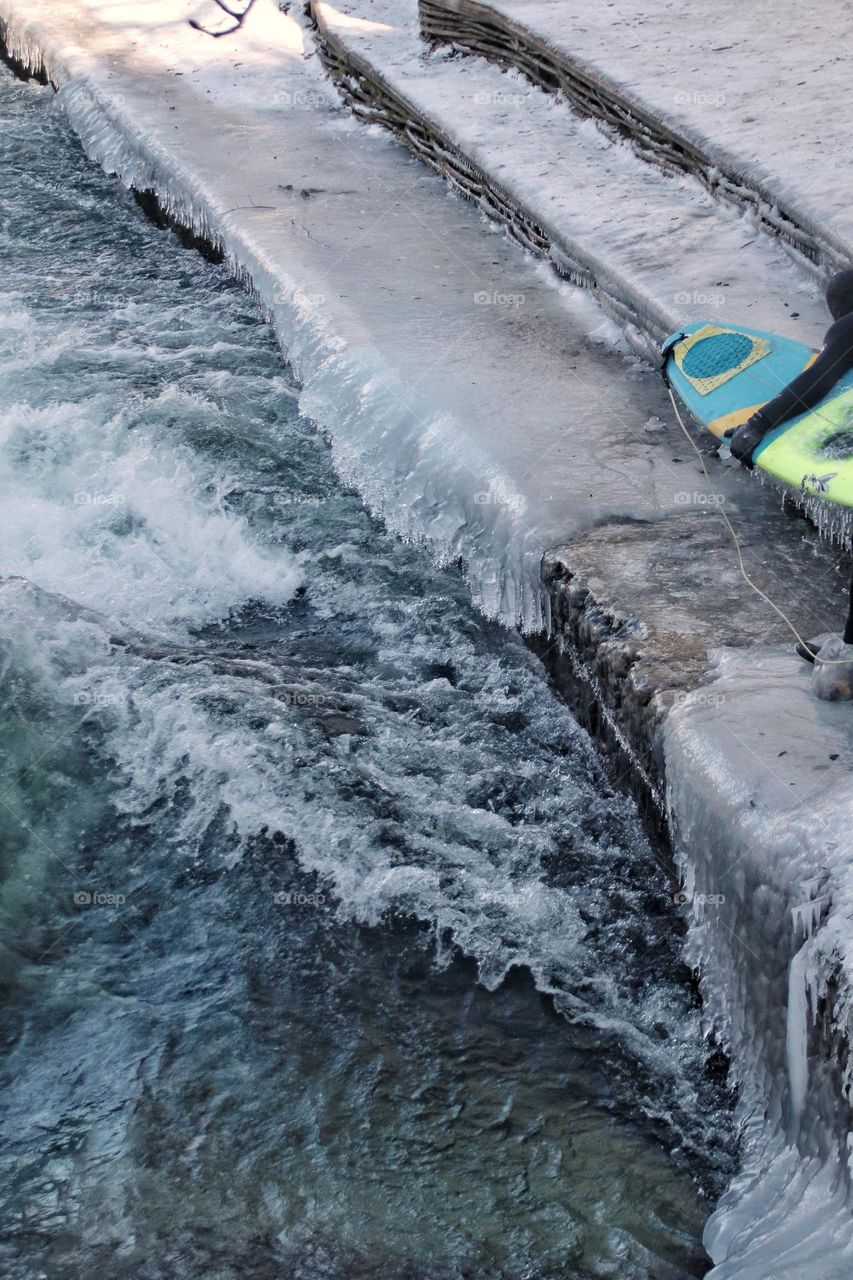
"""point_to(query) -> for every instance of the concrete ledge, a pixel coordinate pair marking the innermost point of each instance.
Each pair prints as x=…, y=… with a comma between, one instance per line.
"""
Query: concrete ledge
x=486, y=32
x=375, y=101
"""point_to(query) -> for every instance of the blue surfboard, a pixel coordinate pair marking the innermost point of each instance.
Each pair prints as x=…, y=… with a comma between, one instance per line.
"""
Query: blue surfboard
x=723, y=373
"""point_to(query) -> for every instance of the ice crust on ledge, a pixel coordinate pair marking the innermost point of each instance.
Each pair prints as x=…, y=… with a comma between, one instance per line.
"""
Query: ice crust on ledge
x=760, y=786
x=405, y=324
x=654, y=242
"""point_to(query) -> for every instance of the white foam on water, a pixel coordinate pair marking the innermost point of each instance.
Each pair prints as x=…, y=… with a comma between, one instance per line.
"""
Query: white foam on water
x=134, y=527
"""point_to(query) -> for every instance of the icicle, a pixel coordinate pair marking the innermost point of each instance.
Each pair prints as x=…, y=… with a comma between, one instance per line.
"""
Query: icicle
x=797, y=1033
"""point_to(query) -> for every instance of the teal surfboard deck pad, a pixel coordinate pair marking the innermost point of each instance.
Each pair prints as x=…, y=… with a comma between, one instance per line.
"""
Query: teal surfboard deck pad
x=722, y=373
x=713, y=359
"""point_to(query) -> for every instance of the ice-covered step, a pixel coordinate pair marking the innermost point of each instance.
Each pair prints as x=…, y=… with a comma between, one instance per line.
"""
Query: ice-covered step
x=758, y=758
x=658, y=248
x=756, y=103
x=455, y=376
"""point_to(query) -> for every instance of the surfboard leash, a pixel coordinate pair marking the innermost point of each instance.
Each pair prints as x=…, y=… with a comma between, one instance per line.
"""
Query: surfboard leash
x=720, y=505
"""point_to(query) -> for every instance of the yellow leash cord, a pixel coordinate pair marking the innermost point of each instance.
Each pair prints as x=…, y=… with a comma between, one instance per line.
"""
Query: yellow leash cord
x=720, y=504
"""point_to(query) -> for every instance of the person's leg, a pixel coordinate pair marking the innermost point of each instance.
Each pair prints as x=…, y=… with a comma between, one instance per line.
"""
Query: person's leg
x=809, y=649
x=833, y=675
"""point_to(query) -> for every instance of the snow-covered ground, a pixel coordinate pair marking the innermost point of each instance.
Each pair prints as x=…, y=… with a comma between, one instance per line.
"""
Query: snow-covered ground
x=464, y=398
x=659, y=240
x=762, y=87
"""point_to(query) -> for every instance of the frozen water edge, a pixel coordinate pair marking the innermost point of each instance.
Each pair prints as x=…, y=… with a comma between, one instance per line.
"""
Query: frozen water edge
x=760, y=781
x=382, y=331
x=425, y=480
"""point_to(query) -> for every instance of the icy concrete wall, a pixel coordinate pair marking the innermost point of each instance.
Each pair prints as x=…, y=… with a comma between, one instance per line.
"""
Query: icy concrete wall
x=751, y=777
x=760, y=789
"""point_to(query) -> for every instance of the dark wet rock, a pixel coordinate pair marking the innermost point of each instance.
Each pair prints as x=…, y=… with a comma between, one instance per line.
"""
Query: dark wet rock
x=514, y=721
x=441, y=671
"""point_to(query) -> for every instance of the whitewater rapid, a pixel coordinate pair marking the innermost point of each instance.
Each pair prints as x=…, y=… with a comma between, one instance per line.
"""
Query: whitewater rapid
x=321, y=918
x=250, y=691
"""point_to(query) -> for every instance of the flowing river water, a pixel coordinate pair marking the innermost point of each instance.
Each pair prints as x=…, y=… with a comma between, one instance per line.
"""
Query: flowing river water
x=328, y=949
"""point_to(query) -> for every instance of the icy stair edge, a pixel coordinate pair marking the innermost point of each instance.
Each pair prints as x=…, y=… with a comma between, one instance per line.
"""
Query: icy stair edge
x=551, y=180
x=375, y=100
x=483, y=31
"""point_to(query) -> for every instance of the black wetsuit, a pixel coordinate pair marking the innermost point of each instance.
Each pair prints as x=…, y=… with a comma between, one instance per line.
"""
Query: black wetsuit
x=806, y=390
x=809, y=387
